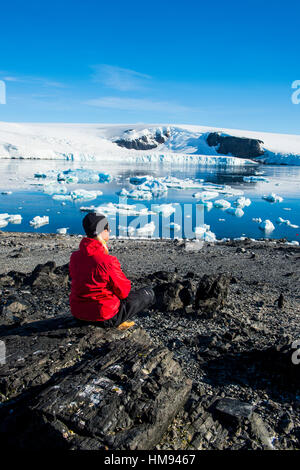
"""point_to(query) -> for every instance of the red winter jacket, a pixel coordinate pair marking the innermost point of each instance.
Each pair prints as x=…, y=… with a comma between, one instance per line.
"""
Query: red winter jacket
x=98, y=282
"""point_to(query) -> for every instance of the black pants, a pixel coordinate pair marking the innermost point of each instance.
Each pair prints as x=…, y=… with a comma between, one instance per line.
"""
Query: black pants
x=136, y=302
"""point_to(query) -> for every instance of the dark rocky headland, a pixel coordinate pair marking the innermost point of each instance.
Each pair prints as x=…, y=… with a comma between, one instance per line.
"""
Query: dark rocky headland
x=213, y=365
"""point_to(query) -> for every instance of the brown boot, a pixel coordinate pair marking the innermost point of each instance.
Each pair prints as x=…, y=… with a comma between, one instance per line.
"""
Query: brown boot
x=125, y=325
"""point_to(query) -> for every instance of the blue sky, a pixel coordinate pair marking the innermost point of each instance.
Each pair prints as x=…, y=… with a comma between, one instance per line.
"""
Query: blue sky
x=224, y=64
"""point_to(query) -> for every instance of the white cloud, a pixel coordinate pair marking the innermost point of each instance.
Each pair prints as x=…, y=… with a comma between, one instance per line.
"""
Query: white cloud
x=136, y=104
x=119, y=78
x=29, y=79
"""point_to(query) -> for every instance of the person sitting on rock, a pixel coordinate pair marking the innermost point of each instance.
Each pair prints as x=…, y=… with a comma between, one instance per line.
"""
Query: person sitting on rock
x=100, y=291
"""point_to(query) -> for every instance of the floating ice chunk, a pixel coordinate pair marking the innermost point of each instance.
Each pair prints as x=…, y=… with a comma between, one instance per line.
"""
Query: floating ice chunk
x=140, y=194
x=222, y=204
x=83, y=194
x=165, y=209
x=40, y=175
x=138, y=179
x=242, y=202
x=280, y=220
x=209, y=236
x=129, y=229
x=155, y=186
x=52, y=187
x=6, y=192
x=254, y=179
x=62, y=197
x=205, y=195
x=201, y=229
x=237, y=211
x=15, y=218
x=273, y=198
x=206, y=204
x=62, y=230
x=38, y=221
x=222, y=220
x=123, y=192
x=113, y=208
x=266, y=226
x=293, y=243
x=78, y=194
x=104, y=178
x=286, y=208
x=238, y=239
x=82, y=175
x=174, y=226
x=257, y=219
x=147, y=229
x=3, y=222
x=4, y=216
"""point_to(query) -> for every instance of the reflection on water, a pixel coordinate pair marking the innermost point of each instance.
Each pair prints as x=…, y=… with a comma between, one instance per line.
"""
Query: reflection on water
x=28, y=200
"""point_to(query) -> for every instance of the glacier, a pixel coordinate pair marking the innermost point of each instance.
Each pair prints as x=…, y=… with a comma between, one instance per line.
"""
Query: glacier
x=184, y=145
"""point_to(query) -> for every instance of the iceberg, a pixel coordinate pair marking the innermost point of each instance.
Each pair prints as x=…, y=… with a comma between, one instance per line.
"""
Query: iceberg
x=203, y=232
x=147, y=229
x=138, y=179
x=82, y=175
x=201, y=229
x=138, y=194
x=129, y=229
x=174, y=226
x=222, y=204
x=238, y=212
x=104, y=178
x=242, y=202
x=3, y=222
x=209, y=237
x=206, y=195
x=15, y=218
x=273, y=198
x=155, y=186
x=254, y=179
x=62, y=231
x=39, y=221
x=266, y=226
x=78, y=194
x=114, y=208
x=4, y=216
x=165, y=209
x=53, y=187
x=83, y=194
x=280, y=220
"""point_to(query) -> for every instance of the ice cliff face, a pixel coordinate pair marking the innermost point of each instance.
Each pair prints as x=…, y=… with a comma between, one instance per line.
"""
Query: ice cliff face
x=153, y=143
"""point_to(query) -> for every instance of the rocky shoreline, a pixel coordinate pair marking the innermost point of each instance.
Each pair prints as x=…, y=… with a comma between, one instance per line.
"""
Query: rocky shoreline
x=209, y=367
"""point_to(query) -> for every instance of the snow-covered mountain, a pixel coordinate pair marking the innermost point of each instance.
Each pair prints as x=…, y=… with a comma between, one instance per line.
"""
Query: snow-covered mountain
x=141, y=142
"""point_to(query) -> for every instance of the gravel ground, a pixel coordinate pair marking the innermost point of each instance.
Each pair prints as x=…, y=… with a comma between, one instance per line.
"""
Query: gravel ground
x=214, y=352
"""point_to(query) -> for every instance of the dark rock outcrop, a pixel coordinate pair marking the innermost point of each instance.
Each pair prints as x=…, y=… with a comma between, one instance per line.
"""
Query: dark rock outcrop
x=85, y=387
x=212, y=293
x=241, y=147
x=144, y=142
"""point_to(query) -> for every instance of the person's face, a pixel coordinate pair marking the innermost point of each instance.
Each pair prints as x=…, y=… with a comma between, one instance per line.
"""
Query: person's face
x=105, y=234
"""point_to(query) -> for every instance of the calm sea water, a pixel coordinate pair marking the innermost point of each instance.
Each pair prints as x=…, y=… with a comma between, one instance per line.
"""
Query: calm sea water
x=29, y=200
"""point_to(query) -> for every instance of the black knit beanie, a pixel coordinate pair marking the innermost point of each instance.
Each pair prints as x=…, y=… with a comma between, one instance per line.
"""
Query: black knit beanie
x=94, y=224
